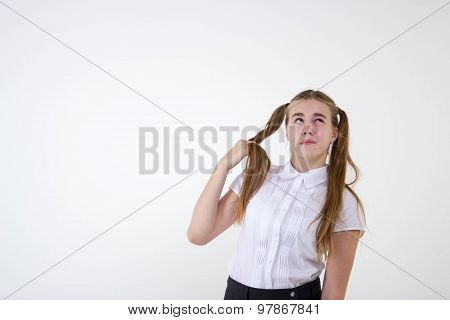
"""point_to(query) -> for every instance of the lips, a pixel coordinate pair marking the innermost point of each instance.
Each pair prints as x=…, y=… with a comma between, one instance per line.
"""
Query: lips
x=308, y=142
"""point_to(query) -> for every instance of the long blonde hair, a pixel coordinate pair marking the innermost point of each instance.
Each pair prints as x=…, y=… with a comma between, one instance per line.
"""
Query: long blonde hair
x=258, y=164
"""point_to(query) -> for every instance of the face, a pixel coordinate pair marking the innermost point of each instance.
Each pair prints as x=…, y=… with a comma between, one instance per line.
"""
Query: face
x=310, y=120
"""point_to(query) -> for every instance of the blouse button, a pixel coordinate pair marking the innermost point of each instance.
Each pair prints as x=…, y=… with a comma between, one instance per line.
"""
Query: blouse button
x=292, y=293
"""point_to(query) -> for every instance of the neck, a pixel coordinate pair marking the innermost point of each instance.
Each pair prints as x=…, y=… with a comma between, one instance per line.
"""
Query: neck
x=304, y=165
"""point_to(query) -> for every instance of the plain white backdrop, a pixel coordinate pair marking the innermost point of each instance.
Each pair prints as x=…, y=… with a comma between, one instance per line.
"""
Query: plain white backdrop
x=69, y=133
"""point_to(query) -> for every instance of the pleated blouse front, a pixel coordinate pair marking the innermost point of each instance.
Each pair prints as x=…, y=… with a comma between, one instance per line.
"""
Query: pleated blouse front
x=275, y=248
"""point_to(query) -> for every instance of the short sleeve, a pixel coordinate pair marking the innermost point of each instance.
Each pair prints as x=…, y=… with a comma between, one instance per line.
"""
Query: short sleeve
x=350, y=216
x=237, y=183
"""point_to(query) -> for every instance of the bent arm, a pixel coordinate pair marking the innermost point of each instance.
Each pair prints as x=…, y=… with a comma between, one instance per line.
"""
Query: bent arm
x=205, y=212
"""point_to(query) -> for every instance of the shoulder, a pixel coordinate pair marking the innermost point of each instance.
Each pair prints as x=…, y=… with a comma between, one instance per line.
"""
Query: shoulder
x=272, y=173
x=274, y=170
x=348, y=197
x=350, y=203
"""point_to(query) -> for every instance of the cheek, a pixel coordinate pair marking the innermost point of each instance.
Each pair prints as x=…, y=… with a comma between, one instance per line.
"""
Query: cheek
x=324, y=133
x=293, y=132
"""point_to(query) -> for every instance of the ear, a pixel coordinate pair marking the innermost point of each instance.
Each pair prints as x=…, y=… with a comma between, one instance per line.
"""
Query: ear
x=335, y=134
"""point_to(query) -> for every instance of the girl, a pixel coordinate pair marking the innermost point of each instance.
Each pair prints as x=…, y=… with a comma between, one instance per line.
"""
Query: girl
x=295, y=217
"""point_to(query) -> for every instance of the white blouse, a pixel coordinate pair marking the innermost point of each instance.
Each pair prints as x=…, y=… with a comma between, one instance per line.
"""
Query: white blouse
x=275, y=250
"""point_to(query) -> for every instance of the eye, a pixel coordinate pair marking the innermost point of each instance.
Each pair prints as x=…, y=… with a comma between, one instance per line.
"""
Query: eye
x=302, y=120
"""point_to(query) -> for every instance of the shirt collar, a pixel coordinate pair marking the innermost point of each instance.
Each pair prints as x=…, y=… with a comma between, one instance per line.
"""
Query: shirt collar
x=312, y=177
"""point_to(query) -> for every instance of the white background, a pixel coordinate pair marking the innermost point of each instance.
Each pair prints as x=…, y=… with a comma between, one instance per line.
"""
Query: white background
x=69, y=134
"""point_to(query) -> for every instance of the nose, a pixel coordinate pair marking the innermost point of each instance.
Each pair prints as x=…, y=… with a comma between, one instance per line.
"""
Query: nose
x=307, y=129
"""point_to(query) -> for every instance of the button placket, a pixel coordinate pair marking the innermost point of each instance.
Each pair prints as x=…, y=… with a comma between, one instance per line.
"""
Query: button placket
x=276, y=235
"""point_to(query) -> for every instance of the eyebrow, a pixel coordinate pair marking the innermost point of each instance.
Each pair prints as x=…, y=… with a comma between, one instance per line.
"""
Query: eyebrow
x=314, y=115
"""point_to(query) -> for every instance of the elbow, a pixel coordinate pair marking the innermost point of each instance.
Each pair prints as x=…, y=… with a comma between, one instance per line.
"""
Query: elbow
x=194, y=239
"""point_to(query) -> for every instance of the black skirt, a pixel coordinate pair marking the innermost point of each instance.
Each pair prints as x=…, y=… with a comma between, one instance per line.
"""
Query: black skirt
x=307, y=291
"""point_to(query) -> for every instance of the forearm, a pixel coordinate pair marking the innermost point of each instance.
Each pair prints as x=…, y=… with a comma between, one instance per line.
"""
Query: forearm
x=332, y=295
